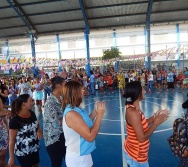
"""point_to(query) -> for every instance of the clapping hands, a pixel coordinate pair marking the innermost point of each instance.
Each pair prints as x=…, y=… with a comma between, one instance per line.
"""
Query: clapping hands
x=100, y=108
x=160, y=117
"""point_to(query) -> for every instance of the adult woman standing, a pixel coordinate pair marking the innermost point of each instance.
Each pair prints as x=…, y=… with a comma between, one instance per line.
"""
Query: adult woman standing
x=3, y=135
x=79, y=130
x=92, y=83
x=170, y=81
x=13, y=91
x=4, y=93
x=52, y=124
x=25, y=87
x=25, y=132
x=47, y=87
x=136, y=145
x=38, y=87
x=150, y=81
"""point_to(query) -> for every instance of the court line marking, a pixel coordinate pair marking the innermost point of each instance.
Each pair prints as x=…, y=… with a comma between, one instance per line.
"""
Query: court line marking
x=163, y=99
x=122, y=129
x=111, y=119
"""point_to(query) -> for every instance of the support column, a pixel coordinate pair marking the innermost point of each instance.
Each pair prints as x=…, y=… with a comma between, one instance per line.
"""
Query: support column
x=178, y=45
x=115, y=45
x=58, y=52
x=35, y=69
x=33, y=48
x=114, y=38
x=148, y=47
x=8, y=55
x=183, y=56
x=86, y=36
x=146, y=57
x=147, y=33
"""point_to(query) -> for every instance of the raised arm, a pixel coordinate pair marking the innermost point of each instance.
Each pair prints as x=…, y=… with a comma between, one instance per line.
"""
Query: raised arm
x=75, y=121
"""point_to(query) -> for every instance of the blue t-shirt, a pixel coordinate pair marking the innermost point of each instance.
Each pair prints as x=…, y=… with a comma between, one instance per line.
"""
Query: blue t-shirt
x=170, y=77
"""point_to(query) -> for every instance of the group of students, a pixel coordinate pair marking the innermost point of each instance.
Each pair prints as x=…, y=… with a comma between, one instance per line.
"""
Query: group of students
x=62, y=118
x=62, y=134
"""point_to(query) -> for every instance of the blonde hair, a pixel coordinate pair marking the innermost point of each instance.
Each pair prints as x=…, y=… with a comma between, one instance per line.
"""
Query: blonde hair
x=72, y=94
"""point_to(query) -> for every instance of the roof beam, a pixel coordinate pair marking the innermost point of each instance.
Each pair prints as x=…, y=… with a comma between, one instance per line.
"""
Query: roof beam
x=22, y=14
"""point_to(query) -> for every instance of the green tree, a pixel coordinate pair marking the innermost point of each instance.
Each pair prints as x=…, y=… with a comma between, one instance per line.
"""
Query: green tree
x=111, y=53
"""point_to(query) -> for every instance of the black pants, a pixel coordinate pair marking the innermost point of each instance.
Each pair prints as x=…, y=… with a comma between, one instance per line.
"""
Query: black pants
x=28, y=160
x=57, y=151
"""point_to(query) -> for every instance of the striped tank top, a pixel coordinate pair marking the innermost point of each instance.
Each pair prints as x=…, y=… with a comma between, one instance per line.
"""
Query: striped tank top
x=135, y=149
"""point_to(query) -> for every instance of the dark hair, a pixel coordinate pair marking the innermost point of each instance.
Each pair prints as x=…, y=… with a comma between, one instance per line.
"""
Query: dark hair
x=56, y=80
x=47, y=75
x=17, y=103
x=72, y=94
x=132, y=92
x=91, y=72
x=12, y=79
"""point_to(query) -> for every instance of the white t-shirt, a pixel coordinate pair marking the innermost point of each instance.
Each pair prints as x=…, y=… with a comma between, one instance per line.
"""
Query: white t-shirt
x=150, y=77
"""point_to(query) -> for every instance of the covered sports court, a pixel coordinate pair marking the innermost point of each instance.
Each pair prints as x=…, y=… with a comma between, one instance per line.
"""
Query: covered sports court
x=37, y=22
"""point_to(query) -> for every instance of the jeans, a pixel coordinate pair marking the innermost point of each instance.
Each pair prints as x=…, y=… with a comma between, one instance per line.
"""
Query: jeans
x=47, y=92
x=150, y=83
x=92, y=85
x=133, y=163
x=57, y=151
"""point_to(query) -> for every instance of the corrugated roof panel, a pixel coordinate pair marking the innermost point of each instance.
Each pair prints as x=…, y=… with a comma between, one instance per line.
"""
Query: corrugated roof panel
x=55, y=17
x=92, y=3
x=120, y=10
x=60, y=26
x=3, y=3
x=11, y=22
x=115, y=13
x=7, y=13
x=66, y=16
x=12, y=31
x=170, y=5
x=118, y=21
x=167, y=17
x=53, y=6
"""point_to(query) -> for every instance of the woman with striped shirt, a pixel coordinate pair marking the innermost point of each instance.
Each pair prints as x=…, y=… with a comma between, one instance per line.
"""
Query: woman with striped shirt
x=139, y=129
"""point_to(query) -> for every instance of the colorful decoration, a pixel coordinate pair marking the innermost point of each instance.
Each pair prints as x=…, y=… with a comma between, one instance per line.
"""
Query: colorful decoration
x=20, y=63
